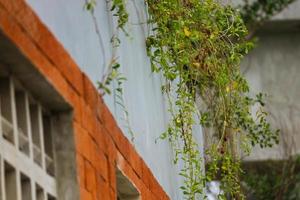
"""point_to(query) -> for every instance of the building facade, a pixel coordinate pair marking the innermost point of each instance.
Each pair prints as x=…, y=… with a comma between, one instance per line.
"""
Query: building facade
x=272, y=68
x=59, y=138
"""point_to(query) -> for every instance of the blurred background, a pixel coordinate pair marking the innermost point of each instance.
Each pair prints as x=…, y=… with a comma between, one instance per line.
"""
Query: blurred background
x=273, y=67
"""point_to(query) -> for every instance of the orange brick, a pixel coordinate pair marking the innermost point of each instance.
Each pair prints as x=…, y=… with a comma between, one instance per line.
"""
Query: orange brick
x=113, y=194
x=110, y=147
x=29, y=49
x=110, y=123
x=12, y=7
x=103, y=189
x=90, y=93
x=146, y=194
x=50, y=46
x=90, y=177
x=127, y=170
x=99, y=160
x=77, y=108
x=99, y=141
x=83, y=141
x=100, y=137
x=112, y=175
x=147, y=176
x=89, y=121
x=100, y=106
x=135, y=161
x=80, y=170
x=85, y=195
x=92, y=127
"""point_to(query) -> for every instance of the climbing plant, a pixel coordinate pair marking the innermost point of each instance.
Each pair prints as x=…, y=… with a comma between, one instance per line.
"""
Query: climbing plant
x=256, y=13
x=273, y=180
x=197, y=45
x=112, y=73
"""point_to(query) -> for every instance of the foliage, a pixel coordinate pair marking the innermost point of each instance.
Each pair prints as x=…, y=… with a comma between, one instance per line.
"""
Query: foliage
x=256, y=13
x=113, y=74
x=197, y=46
x=118, y=7
x=273, y=180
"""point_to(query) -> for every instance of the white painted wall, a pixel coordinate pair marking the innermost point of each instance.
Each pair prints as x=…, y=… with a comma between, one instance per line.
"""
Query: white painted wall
x=290, y=13
x=274, y=68
x=74, y=28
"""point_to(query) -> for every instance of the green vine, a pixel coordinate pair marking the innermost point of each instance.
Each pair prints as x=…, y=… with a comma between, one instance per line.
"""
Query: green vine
x=197, y=46
x=113, y=74
x=255, y=13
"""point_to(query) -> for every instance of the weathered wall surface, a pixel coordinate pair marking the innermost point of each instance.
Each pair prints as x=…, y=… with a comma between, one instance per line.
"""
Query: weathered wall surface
x=273, y=68
x=100, y=145
x=74, y=28
x=290, y=13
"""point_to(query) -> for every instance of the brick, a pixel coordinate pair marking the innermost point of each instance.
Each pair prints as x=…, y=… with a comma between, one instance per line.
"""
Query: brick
x=13, y=8
x=92, y=126
x=156, y=189
x=30, y=50
x=99, y=141
x=50, y=46
x=112, y=194
x=127, y=170
x=147, y=176
x=100, y=137
x=110, y=123
x=110, y=148
x=99, y=160
x=90, y=93
x=112, y=175
x=45, y=41
x=83, y=141
x=89, y=121
x=135, y=161
x=146, y=195
x=124, y=146
x=100, y=106
x=90, y=177
x=103, y=189
x=151, y=183
x=80, y=170
x=77, y=108
x=85, y=195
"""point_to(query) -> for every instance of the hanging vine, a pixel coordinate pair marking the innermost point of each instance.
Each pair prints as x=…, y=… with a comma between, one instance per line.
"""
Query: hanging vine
x=197, y=46
x=255, y=13
x=112, y=73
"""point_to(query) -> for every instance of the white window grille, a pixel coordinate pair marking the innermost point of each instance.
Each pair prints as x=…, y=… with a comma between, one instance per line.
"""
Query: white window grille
x=26, y=149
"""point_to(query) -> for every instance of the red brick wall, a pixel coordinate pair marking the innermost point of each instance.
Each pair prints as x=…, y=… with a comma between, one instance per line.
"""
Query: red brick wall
x=100, y=144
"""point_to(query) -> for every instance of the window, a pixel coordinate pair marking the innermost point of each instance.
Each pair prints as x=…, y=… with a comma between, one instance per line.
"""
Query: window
x=26, y=148
x=125, y=189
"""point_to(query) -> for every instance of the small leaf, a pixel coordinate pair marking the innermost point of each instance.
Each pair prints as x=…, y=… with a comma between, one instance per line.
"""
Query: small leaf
x=187, y=32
